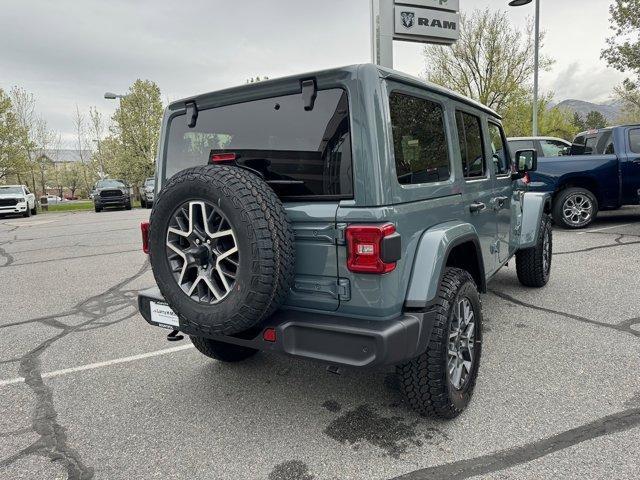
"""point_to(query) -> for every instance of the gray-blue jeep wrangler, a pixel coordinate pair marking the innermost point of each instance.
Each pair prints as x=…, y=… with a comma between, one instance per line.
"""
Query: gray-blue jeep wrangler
x=350, y=216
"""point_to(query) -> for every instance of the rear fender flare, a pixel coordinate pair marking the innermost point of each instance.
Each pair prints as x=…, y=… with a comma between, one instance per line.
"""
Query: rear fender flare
x=431, y=257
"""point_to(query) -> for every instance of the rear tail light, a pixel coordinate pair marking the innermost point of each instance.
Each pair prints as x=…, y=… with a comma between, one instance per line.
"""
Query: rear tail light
x=222, y=157
x=144, y=228
x=372, y=248
x=269, y=334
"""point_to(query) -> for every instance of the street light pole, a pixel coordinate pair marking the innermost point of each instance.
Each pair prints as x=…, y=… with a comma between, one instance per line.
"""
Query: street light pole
x=536, y=71
x=536, y=61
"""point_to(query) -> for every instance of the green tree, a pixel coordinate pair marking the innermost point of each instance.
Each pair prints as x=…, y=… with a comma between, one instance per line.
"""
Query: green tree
x=623, y=54
x=130, y=150
x=554, y=122
x=11, y=139
x=595, y=119
x=578, y=122
x=492, y=62
x=623, y=51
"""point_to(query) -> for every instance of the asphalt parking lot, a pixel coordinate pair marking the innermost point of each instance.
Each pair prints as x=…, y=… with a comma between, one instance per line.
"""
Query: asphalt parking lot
x=89, y=390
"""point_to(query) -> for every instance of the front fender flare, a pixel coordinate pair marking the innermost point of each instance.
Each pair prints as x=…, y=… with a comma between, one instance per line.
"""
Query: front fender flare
x=534, y=205
x=431, y=259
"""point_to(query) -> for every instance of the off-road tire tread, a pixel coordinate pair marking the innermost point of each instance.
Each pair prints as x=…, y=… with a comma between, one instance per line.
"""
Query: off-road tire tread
x=529, y=263
x=224, y=352
x=423, y=380
x=273, y=277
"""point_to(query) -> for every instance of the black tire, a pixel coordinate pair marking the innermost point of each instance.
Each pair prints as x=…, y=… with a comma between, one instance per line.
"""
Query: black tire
x=27, y=212
x=263, y=237
x=34, y=210
x=143, y=204
x=225, y=352
x=559, y=204
x=97, y=209
x=425, y=380
x=533, y=270
x=127, y=206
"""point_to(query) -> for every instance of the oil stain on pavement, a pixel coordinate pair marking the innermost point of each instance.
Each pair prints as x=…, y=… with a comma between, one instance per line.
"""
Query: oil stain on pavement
x=291, y=470
x=364, y=424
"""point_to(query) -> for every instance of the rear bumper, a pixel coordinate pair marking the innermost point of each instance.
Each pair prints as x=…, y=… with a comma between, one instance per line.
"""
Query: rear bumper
x=330, y=339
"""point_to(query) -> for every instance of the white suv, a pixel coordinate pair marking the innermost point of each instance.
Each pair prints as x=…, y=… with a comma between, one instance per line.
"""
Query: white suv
x=17, y=199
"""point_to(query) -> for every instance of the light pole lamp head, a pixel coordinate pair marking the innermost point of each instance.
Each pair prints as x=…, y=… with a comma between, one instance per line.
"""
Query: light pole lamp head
x=112, y=96
x=519, y=3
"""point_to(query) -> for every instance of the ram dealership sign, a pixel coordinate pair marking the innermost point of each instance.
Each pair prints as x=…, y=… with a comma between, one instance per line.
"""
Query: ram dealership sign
x=428, y=21
x=424, y=21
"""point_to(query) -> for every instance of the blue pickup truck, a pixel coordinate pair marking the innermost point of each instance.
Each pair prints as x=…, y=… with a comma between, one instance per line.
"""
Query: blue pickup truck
x=602, y=172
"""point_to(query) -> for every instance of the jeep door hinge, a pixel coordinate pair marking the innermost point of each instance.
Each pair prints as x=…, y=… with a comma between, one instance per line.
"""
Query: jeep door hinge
x=339, y=234
x=344, y=289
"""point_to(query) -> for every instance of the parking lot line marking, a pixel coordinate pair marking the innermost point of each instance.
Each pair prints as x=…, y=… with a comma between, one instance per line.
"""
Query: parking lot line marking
x=93, y=366
x=604, y=228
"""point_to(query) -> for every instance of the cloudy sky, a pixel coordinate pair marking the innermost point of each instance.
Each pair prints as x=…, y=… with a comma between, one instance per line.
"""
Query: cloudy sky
x=69, y=52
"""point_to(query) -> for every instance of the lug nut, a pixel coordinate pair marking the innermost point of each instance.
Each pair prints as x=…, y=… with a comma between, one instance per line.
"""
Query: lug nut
x=198, y=241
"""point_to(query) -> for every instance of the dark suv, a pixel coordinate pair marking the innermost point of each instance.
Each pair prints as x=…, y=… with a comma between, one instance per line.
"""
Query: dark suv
x=351, y=216
x=111, y=193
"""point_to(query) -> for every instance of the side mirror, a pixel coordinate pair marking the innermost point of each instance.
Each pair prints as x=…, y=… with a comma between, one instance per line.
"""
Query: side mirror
x=526, y=161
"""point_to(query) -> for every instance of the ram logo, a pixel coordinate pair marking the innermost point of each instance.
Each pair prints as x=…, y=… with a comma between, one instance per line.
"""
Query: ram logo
x=407, y=19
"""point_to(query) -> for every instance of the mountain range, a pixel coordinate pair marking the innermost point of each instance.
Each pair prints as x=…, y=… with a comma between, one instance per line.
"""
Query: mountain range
x=611, y=109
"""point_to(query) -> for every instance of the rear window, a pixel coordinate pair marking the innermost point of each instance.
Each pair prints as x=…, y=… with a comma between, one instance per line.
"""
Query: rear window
x=299, y=153
x=600, y=144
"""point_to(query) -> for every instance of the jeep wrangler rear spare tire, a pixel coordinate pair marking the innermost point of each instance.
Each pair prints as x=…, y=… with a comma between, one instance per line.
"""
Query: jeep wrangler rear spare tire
x=440, y=382
x=221, y=248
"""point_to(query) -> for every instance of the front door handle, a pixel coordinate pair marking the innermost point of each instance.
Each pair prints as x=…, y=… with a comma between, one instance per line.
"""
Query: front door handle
x=476, y=207
x=499, y=202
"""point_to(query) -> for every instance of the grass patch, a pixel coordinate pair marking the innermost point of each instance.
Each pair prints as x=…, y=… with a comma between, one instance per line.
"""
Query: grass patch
x=84, y=205
x=69, y=207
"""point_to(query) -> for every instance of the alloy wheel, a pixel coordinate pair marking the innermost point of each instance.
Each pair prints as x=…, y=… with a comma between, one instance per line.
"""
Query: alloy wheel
x=461, y=343
x=577, y=209
x=202, y=252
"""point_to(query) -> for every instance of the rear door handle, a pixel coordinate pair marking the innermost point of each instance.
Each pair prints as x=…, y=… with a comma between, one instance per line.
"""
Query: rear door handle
x=476, y=207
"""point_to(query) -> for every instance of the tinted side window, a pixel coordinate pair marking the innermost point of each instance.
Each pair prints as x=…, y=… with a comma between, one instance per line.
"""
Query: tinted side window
x=500, y=161
x=471, y=145
x=605, y=143
x=419, y=140
x=634, y=140
x=590, y=146
x=577, y=148
x=552, y=148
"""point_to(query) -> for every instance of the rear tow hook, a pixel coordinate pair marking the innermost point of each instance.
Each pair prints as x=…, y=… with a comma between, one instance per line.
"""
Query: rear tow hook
x=175, y=336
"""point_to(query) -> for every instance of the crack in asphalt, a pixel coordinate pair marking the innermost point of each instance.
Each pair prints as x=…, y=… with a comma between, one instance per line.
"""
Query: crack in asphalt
x=503, y=459
x=7, y=256
x=618, y=243
x=624, y=326
x=52, y=442
x=74, y=235
x=49, y=260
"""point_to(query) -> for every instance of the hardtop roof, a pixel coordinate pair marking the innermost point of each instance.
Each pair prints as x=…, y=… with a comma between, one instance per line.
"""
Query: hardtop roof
x=382, y=72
